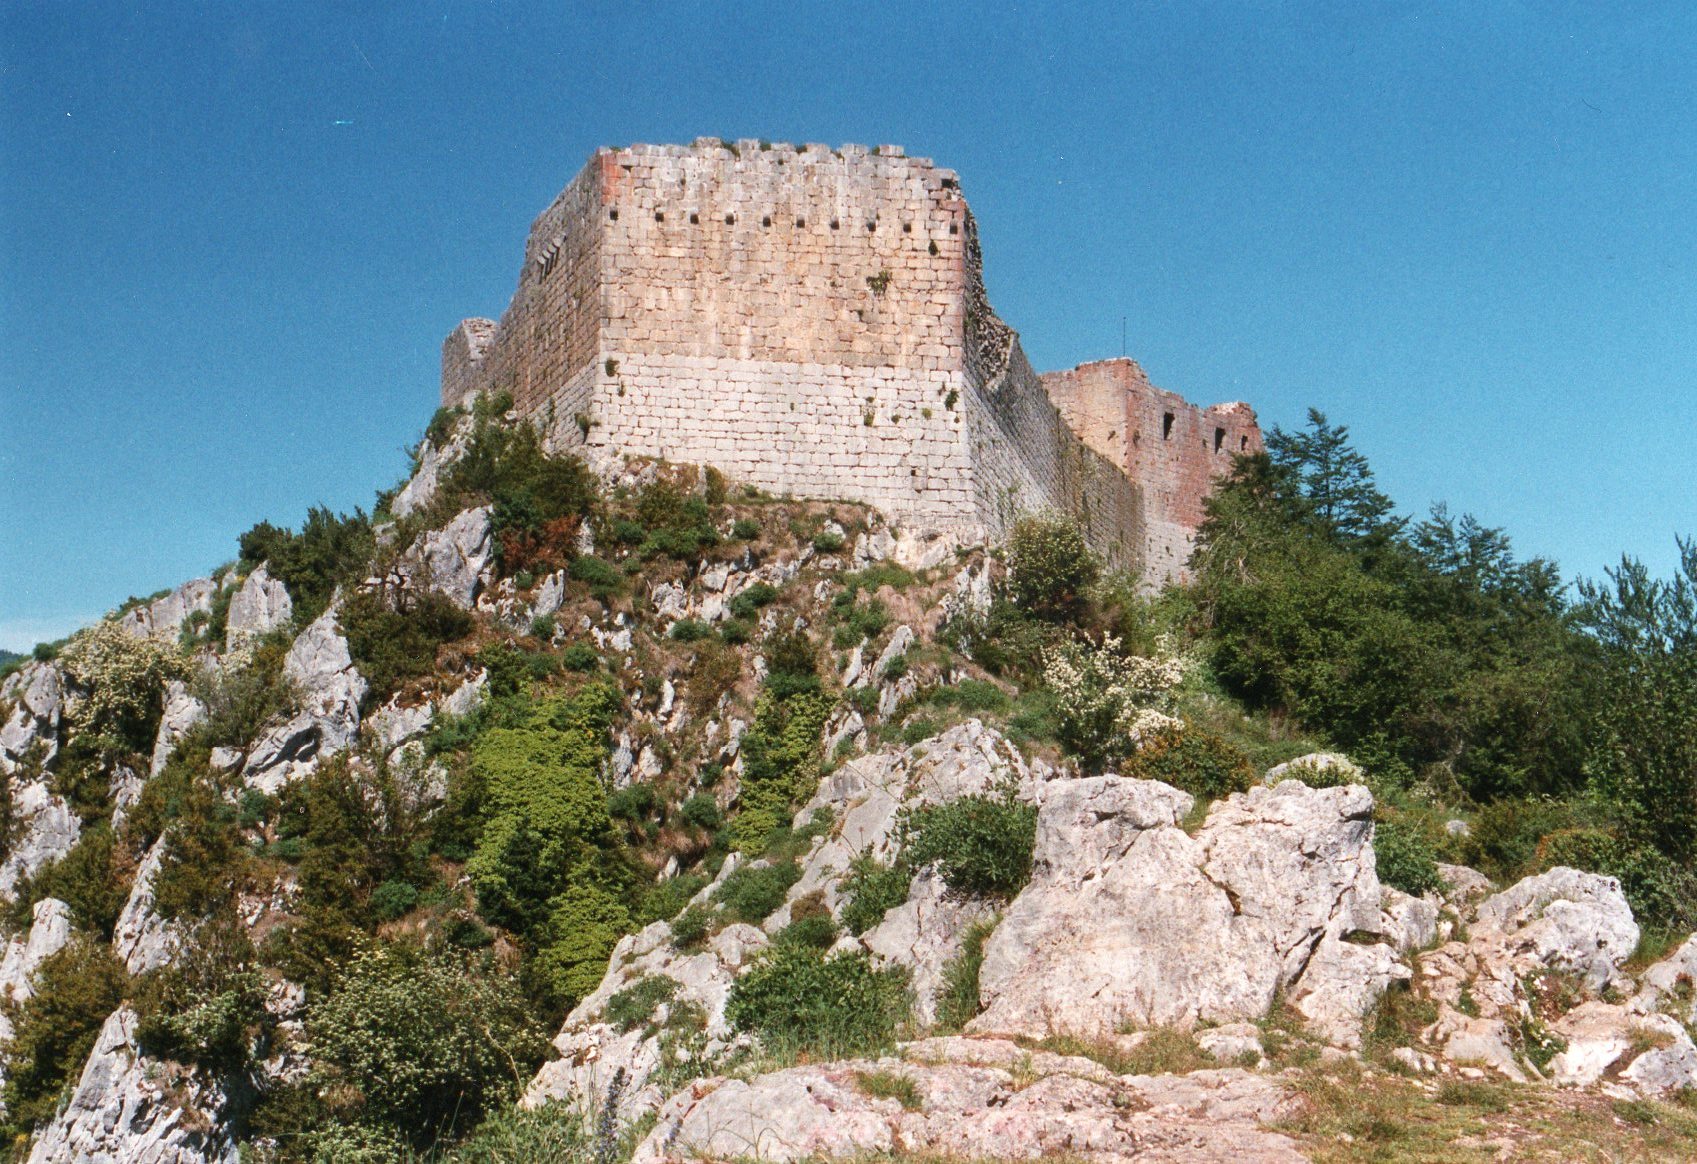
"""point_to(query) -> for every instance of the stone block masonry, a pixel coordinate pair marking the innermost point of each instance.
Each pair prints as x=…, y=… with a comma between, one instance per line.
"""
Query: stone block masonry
x=809, y=320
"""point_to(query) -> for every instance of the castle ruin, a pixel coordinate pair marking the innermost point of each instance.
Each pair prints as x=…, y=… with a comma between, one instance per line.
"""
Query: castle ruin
x=813, y=321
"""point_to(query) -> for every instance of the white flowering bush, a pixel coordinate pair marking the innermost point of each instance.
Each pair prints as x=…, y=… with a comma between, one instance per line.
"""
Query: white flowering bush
x=119, y=682
x=1106, y=701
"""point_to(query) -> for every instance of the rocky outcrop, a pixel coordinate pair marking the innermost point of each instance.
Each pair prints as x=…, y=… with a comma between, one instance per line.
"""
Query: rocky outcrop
x=330, y=688
x=50, y=929
x=1564, y=920
x=420, y=489
x=260, y=606
x=863, y=799
x=1129, y=921
x=33, y=701
x=46, y=828
x=163, y=618
x=975, y=1099
x=183, y=712
x=142, y=939
x=452, y=560
x=129, y=1108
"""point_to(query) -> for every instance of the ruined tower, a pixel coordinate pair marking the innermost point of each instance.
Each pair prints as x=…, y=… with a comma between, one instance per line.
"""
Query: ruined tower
x=813, y=321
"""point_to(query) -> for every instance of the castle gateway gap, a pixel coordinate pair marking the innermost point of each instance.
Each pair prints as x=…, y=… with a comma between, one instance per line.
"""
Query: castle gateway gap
x=813, y=321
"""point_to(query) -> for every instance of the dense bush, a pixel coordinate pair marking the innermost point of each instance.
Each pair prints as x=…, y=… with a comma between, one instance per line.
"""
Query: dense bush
x=1106, y=701
x=752, y=892
x=798, y=999
x=1050, y=566
x=583, y=924
x=55, y=1028
x=633, y=1006
x=871, y=890
x=421, y=1045
x=780, y=763
x=208, y=1005
x=391, y=645
x=88, y=878
x=1197, y=761
x=1406, y=859
x=330, y=549
x=980, y=844
x=123, y=678
x=242, y=697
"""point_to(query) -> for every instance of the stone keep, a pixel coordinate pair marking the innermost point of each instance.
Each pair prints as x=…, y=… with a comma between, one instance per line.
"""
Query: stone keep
x=813, y=321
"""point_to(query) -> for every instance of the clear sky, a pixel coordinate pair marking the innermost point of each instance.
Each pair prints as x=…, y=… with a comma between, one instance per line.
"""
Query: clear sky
x=232, y=237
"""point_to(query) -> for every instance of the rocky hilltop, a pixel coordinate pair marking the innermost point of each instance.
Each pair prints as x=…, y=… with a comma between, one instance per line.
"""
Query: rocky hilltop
x=804, y=837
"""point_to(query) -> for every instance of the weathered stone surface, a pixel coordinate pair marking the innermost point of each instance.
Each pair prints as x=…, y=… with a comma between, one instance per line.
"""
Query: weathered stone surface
x=1409, y=922
x=163, y=618
x=1672, y=983
x=50, y=929
x=128, y=1109
x=420, y=489
x=182, y=713
x=923, y=934
x=452, y=560
x=1653, y=1051
x=1567, y=920
x=46, y=828
x=35, y=697
x=142, y=939
x=971, y=1105
x=1462, y=885
x=259, y=606
x=1129, y=921
x=328, y=722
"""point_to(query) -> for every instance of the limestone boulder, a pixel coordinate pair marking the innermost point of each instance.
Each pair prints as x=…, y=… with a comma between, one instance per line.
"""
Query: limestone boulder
x=260, y=605
x=1128, y=920
x=142, y=939
x=974, y=1099
x=46, y=827
x=127, y=1107
x=50, y=929
x=330, y=688
x=452, y=560
x=163, y=618
x=183, y=712
x=1566, y=920
x=421, y=488
x=923, y=934
x=32, y=702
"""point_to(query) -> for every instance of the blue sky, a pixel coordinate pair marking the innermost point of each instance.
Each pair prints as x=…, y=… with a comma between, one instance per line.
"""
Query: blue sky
x=232, y=237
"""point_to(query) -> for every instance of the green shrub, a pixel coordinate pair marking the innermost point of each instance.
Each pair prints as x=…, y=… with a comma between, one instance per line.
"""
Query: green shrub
x=393, y=899
x=86, y=878
x=584, y=924
x=798, y=999
x=331, y=549
x=633, y=1006
x=981, y=844
x=871, y=890
x=580, y=657
x=1050, y=566
x=391, y=646
x=745, y=529
x=55, y=1028
x=689, y=928
x=208, y=1005
x=752, y=892
x=1193, y=760
x=957, y=1002
x=664, y=900
x=602, y=577
x=1405, y=858
x=971, y=695
x=123, y=679
x=734, y=632
x=896, y=667
x=555, y=1133
x=751, y=599
x=544, y=627
x=421, y=1045
x=512, y=668
x=689, y=630
x=702, y=811
x=828, y=541
x=918, y=729
x=780, y=761
x=815, y=931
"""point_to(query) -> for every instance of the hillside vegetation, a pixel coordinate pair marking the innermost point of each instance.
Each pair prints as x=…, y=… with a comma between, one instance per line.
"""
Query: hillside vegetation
x=343, y=902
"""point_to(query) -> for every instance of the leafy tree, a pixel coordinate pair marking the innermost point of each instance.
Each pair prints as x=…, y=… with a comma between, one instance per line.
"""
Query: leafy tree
x=329, y=550
x=1644, y=733
x=422, y=1045
x=1050, y=566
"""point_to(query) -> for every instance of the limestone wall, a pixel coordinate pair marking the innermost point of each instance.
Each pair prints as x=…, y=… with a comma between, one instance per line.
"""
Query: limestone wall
x=813, y=321
x=1174, y=449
